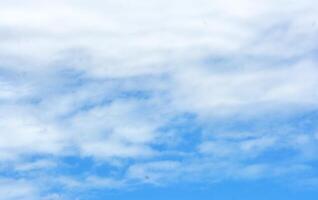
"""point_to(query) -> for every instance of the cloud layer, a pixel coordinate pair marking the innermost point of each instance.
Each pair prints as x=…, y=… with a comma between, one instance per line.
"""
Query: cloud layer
x=114, y=94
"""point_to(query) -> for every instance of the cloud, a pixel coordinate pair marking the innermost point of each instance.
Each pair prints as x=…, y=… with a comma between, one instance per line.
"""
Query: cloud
x=35, y=165
x=150, y=91
x=236, y=92
x=17, y=189
x=118, y=39
x=23, y=134
x=90, y=182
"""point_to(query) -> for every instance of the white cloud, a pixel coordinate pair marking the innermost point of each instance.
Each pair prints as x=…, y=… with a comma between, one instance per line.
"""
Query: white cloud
x=247, y=91
x=106, y=79
x=90, y=182
x=124, y=38
x=36, y=165
x=23, y=134
x=237, y=149
x=117, y=129
x=11, y=189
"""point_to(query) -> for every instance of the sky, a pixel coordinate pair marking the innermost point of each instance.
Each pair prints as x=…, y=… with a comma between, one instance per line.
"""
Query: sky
x=158, y=99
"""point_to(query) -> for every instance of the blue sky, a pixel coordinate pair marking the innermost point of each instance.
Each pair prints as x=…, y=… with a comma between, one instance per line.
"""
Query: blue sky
x=206, y=99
